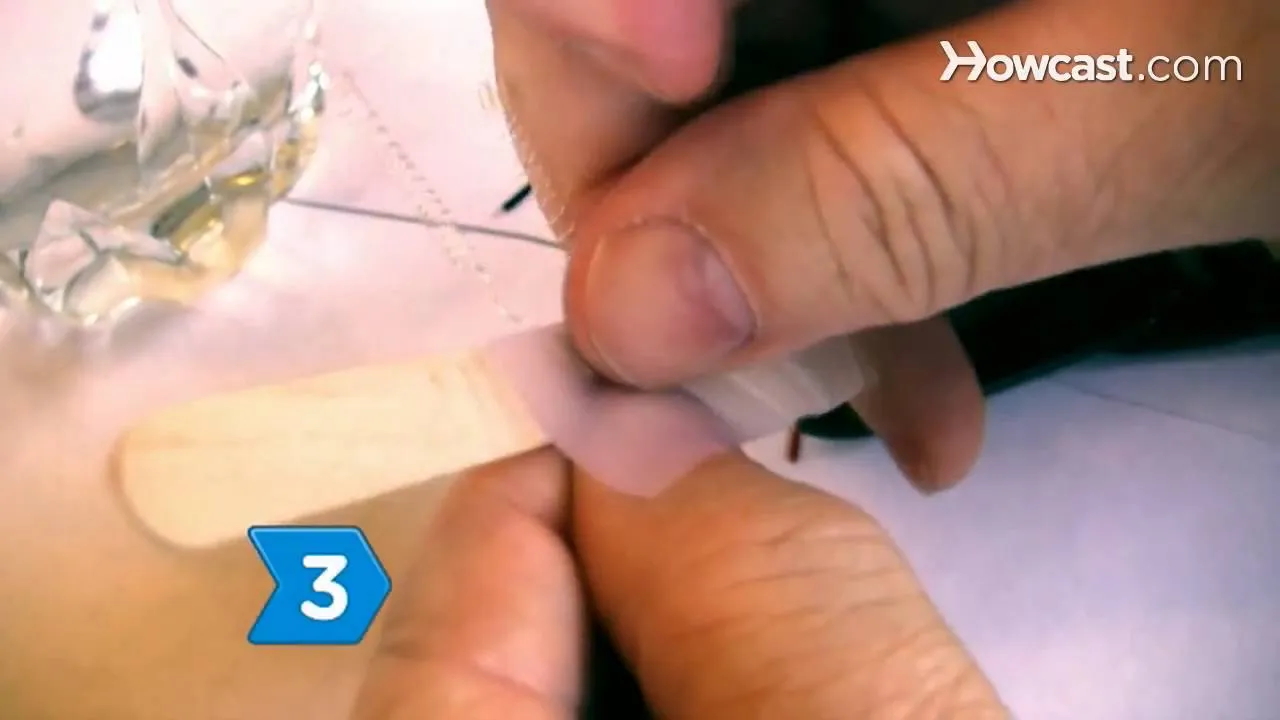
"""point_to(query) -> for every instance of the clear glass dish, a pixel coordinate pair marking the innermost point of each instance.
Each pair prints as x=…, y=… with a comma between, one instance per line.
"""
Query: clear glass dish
x=143, y=143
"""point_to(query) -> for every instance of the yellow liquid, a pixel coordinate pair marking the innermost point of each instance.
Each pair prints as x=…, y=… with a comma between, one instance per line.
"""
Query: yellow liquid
x=167, y=231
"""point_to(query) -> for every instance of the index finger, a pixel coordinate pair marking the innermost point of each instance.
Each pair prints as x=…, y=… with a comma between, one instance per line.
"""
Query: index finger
x=489, y=624
x=575, y=117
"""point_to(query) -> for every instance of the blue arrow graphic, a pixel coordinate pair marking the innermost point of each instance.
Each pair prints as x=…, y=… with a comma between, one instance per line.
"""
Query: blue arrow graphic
x=329, y=585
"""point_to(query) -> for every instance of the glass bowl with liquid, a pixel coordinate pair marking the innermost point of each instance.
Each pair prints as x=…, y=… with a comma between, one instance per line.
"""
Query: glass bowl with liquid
x=142, y=144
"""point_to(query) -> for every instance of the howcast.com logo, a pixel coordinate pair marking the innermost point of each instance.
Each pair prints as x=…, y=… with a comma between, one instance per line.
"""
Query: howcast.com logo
x=1086, y=68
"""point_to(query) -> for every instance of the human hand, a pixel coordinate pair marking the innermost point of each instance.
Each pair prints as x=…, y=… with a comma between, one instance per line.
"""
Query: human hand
x=732, y=594
x=869, y=194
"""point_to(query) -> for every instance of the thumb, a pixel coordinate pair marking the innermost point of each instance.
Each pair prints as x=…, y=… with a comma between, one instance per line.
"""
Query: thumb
x=873, y=193
x=736, y=593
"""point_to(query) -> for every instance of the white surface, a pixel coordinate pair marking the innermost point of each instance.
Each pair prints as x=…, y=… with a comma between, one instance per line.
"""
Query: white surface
x=1112, y=558
x=1105, y=560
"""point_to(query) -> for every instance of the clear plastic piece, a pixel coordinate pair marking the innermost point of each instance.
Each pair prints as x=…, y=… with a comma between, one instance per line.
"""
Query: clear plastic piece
x=762, y=399
x=149, y=173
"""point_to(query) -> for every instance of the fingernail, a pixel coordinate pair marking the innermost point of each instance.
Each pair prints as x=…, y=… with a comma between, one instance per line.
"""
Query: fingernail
x=662, y=306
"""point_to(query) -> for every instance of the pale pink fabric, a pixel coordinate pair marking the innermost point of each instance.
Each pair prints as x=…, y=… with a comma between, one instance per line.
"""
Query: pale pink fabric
x=641, y=441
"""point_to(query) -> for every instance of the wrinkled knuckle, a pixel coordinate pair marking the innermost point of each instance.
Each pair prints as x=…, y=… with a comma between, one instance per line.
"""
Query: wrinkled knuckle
x=786, y=533
x=749, y=572
x=926, y=675
x=775, y=593
x=892, y=211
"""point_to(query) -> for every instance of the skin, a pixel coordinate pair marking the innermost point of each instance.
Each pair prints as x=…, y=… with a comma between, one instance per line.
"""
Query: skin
x=868, y=196
x=735, y=593
x=862, y=199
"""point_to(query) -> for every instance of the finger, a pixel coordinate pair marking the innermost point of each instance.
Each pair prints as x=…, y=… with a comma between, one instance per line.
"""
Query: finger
x=872, y=193
x=670, y=48
x=923, y=401
x=574, y=124
x=579, y=126
x=738, y=594
x=578, y=119
x=490, y=622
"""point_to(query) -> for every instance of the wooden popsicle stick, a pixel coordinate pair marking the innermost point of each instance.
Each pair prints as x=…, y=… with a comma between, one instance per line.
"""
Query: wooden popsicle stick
x=202, y=473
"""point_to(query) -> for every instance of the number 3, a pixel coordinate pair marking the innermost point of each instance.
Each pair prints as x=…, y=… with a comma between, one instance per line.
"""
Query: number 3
x=329, y=566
